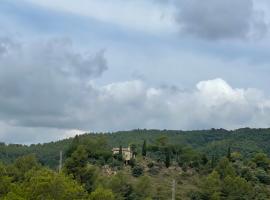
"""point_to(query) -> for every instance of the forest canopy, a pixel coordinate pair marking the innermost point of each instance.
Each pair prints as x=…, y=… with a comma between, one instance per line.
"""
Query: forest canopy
x=196, y=165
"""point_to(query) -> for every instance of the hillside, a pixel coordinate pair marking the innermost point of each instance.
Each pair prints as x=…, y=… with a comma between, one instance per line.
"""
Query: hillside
x=211, y=142
x=192, y=165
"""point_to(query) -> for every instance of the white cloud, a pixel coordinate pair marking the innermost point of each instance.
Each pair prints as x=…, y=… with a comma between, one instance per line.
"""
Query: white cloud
x=214, y=103
x=133, y=104
x=217, y=92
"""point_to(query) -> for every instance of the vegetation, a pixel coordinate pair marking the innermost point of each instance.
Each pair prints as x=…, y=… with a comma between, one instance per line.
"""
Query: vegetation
x=206, y=165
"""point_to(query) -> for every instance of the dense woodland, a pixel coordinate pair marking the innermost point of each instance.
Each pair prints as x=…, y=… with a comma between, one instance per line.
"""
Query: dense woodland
x=211, y=164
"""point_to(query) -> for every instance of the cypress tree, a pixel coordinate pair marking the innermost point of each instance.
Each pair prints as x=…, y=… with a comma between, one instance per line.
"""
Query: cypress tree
x=229, y=153
x=168, y=158
x=144, y=148
x=73, y=146
x=120, y=153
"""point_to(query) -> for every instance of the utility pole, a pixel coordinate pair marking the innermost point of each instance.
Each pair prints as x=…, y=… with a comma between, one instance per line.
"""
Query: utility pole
x=60, y=161
x=173, y=189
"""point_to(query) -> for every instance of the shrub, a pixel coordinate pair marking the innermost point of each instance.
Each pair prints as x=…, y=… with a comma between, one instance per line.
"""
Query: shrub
x=150, y=165
x=132, y=162
x=137, y=171
x=263, y=177
x=154, y=171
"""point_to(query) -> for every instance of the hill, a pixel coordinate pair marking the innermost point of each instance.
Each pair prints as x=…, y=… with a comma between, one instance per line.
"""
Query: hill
x=247, y=141
x=211, y=164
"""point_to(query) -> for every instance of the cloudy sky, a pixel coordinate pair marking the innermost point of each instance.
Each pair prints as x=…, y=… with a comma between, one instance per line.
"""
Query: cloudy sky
x=68, y=67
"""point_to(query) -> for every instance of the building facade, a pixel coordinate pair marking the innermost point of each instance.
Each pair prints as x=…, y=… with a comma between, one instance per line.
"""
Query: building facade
x=126, y=152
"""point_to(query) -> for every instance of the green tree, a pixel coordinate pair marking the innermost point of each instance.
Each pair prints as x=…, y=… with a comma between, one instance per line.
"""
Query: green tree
x=13, y=196
x=167, y=158
x=46, y=184
x=204, y=159
x=22, y=165
x=144, y=188
x=236, y=156
x=76, y=162
x=120, y=154
x=225, y=168
x=102, y=194
x=262, y=160
x=263, y=176
x=144, y=148
x=5, y=185
x=73, y=146
x=133, y=148
x=162, y=140
x=121, y=186
x=211, y=186
x=237, y=188
x=5, y=181
x=229, y=156
x=77, y=166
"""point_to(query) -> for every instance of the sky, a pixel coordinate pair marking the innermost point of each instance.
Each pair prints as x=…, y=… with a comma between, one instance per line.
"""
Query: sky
x=69, y=67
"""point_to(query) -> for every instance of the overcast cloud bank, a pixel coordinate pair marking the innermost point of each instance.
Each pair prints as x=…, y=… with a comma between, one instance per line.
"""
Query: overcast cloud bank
x=50, y=85
x=174, y=64
x=230, y=19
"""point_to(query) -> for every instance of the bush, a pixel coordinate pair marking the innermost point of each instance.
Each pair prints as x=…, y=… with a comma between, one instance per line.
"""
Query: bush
x=263, y=177
x=154, y=171
x=137, y=171
x=150, y=165
x=102, y=194
x=194, y=195
x=132, y=162
x=116, y=164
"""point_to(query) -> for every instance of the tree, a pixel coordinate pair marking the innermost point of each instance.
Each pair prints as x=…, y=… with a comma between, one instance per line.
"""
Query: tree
x=13, y=196
x=102, y=194
x=143, y=188
x=263, y=176
x=133, y=148
x=162, y=141
x=74, y=145
x=248, y=174
x=46, y=184
x=261, y=161
x=120, y=154
x=121, y=186
x=204, y=159
x=211, y=186
x=229, y=153
x=167, y=158
x=76, y=162
x=5, y=185
x=225, y=168
x=77, y=166
x=236, y=156
x=237, y=188
x=24, y=164
x=5, y=181
x=144, y=148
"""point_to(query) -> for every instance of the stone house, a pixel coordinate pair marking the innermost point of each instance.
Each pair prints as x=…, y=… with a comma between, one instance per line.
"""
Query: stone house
x=126, y=152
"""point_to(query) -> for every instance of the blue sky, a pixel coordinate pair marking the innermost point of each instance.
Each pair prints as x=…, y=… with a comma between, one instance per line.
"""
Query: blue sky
x=69, y=67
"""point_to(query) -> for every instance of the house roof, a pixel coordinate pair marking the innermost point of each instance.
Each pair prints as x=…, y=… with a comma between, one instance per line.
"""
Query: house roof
x=123, y=149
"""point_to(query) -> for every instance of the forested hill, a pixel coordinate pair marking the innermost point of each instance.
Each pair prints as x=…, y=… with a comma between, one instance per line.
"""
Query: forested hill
x=210, y=142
